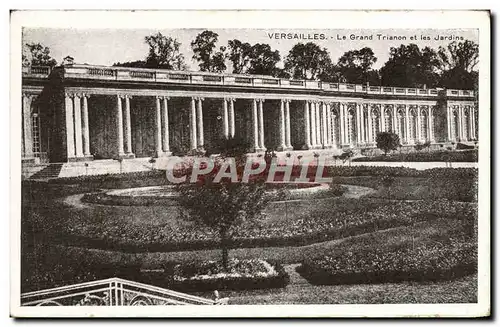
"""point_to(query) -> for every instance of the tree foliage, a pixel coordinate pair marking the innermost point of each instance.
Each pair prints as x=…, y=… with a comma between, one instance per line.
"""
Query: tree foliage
x=239, y=54
x=37, y=55
x=408, y=66
x=224, y=207
x=387, y=141
x=307, y=61
x=164, y=52
x=135, y=64
x=263, y=60
x=204, y=46
x=355, y=66
x=458, y=61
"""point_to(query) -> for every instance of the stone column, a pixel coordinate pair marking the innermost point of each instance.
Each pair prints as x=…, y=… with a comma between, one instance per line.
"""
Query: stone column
x=255, y=120
x=70, y=131
x=282, y=132
x=231, y=118
x=362, y=125
x=199, y=114
x=430, y=127
x=419, y=124
x=192, y=126
x=472, y=123
x=225, y=119
x=86, y=132
x=369, y=136
x=342, y=124
x=313, y=124
x=358, y=123
x=318, y=124
x=288, y=137
x=159, y=151
x=77, y=107
x=325, y=125
x=261, y=125
x=329, y=125
x=395, y=120
x=407, y=124
x=128, y=126
x=307, y=126
x=449, y=118
x=119, y=125
x=166, y=132
x=27, y=142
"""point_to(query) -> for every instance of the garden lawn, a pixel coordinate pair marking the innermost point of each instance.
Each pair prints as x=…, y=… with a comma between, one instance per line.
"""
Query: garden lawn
x=424, y=156
x=415, y=188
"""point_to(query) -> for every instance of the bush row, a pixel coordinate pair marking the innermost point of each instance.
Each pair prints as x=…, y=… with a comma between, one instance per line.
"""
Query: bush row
x=440, y=156
x=429, y=262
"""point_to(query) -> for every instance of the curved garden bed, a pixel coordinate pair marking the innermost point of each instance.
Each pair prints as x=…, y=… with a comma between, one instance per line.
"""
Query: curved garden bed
x=167, y=195
x=357, y=217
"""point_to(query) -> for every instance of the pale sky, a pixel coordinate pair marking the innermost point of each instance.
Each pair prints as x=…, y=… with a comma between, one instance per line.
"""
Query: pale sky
x=107, y=46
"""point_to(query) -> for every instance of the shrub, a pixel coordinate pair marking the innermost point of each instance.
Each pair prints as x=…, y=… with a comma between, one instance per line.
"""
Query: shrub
x=387, y=141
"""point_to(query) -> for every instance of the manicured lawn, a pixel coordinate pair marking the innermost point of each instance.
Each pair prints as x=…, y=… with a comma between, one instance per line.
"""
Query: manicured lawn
x=463, y=290
x=440, y=204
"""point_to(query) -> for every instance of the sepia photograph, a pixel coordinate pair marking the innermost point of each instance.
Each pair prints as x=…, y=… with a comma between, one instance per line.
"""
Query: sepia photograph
x=250, y=165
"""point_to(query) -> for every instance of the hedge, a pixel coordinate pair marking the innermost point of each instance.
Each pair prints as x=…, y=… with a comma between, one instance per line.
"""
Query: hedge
x=429, y=262
x=438, y=156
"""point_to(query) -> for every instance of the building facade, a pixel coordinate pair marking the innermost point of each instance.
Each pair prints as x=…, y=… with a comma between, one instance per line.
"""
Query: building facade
x=82, y=112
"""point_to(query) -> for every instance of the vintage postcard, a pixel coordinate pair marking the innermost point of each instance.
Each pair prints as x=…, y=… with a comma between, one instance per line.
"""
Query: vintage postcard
x=250, y=164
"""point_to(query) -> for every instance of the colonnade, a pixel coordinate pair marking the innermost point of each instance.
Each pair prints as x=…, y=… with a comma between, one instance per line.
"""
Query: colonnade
x=77, y=125
x=326, y=124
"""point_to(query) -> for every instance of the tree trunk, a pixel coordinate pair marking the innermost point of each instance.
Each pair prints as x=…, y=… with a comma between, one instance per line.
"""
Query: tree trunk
x=224, y=248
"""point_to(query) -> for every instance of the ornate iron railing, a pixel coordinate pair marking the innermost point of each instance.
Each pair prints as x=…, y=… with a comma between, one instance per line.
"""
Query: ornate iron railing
x=113, y=292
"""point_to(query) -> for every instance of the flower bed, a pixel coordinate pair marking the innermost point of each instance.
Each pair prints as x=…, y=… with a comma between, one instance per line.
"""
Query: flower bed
x=435, y=261
x=210, y=275
x=356, y=217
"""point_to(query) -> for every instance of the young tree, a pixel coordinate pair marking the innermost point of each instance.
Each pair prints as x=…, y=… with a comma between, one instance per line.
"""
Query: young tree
x=355, y=65
x=164, y=52
x=38, y=55
x=239, y=55
x=307, y=61
x=204, y=52
x=408, y=66
x=387, y=141
x=224, y=207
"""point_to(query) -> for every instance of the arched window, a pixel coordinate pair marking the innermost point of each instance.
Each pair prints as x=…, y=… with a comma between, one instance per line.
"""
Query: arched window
x=375, y=124
x=412, y=126
x=467, y=124
x=388, y=120
x=334, y=127
x=424, y=125
x=455, y=125
x=351, y=126
x=400, y=121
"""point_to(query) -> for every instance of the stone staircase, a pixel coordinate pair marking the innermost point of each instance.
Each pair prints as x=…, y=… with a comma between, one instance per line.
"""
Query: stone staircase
x=51, y=171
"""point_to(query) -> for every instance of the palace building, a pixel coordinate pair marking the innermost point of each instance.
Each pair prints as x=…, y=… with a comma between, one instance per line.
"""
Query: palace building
x=85, y=113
